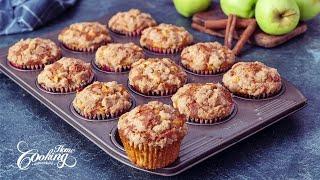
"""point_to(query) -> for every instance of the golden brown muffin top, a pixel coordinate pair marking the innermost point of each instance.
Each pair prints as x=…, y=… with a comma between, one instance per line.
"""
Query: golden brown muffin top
x=85, y=34
x=208, y=56
x=165, y=36
x=102, y=98
x=116, y=55
x=252, y=78
x=155, y=74
x=131, y=21
x=203, y=101
x=35, y=51
x=66, y=72
x=155, y=124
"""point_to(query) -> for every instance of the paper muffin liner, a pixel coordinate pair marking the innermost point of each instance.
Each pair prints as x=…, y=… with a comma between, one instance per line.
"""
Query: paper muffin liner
x=165, y=51
x=109, y=69
x=149, y=157
x=206, y=72
x=167, y=92
x=261, y=96
x=67, y=89
x=257, y=97
x=126, y=33
x=28, y=67
x=208, y=121
x=35, y=66
x=102, y=116
x=85, y=49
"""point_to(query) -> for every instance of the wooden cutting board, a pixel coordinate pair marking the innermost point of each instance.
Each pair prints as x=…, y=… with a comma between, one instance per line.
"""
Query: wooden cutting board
x=259, y=38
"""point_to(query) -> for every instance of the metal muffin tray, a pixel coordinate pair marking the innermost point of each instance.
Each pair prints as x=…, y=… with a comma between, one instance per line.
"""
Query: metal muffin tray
x=201, y=142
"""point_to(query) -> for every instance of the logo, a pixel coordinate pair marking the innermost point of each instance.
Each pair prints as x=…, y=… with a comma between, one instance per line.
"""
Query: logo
x=60, y=156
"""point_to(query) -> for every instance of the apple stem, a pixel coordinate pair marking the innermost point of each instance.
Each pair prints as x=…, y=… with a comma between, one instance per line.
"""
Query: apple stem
x=288, y=13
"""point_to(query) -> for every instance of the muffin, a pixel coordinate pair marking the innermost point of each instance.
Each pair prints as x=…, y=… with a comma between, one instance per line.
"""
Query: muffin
x=101, y=100
x=118, y=57
x=84, y=36
x=130, y=23
x=165, y=38
x=207, y=58
x=33, y=53
x=203, y=103
x=65, y=75
x=151, y=134
x=252, y=80
x=155, y=76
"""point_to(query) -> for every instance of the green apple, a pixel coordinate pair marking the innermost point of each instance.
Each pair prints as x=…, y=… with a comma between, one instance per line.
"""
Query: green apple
x=308, y=9
x=277, y=17
x=241, y=8
x=189, y=7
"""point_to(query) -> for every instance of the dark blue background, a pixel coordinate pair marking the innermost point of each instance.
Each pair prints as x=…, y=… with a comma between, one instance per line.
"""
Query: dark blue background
x=288, y=149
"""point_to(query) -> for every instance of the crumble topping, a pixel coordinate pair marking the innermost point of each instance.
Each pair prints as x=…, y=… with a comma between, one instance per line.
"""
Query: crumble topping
x=36, y=51
x=66, y=72
x=203, y=101
x=165, y=36
x=252, y=78
x=85, y=35
x=209, y=56
x=130, y=21
x=155, y=124
x=116, y=56
x=102, y=98
x=155, y=74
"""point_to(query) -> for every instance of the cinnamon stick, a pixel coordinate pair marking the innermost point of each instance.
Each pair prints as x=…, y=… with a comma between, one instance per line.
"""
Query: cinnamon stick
x=222, y=23
x=218, y=33
x=226, y=36
x=216, y=24
x=232, y=28
x=231, y=24
x=198, y=20
x=247, y=33
x=205, y=30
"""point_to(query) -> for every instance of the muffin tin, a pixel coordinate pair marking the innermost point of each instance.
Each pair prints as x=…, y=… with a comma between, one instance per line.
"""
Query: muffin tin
x=202, y=141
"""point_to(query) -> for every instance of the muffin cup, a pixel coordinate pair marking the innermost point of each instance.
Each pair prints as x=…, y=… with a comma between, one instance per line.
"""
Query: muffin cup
x=109, y=69
x=35, y=66
x=206, y=72
x=261, y=96
x=164, y=51
x=67, y=89
x=126, y=33
x=102, y=116
x=149, y=157
x=87, y=49
x=28, y=67
x=258, y=97
x=167, y=92
x=207, y=121
x=216, y=120
x=84, y=49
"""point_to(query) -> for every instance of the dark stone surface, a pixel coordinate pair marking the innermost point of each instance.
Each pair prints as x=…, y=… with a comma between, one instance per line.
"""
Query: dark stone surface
x=288, y=149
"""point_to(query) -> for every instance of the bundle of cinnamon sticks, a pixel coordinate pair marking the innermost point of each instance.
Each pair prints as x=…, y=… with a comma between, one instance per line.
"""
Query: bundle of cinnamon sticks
x=230, y=24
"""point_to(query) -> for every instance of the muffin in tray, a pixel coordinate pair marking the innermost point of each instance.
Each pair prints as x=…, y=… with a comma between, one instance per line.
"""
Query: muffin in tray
x=102, y=100
x=31, y=54
x=203, y=103
x=165, y=38
x=84, y=36
x=252, y=80
x=130, y=23
x=151, y=134
x=117, y=57
x=207, y=58
x=157, y=77
x=65, y=75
